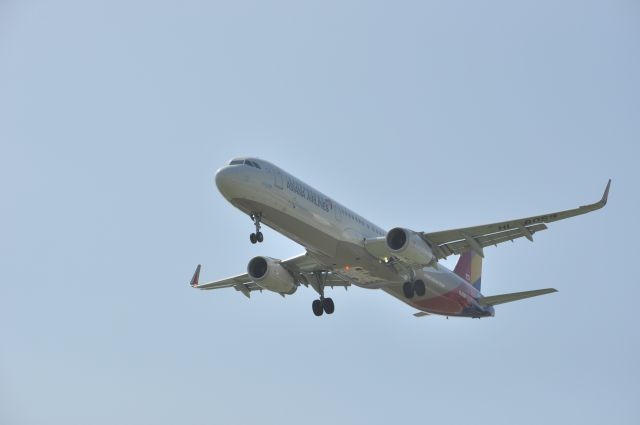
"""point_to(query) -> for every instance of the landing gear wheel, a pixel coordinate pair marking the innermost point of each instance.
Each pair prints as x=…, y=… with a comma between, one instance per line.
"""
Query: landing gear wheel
x=418, y=286
x=328, y=306
x=408, y=289
x=317, y=307
x=257, y=236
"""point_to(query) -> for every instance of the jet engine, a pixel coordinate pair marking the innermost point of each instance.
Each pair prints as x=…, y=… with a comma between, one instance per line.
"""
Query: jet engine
x=269, y=274
x=409, y=247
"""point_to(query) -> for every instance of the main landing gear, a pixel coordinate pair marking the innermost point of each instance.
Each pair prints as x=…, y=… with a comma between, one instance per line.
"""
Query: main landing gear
x=414, y=288
x=257, y=236
x=322, y=305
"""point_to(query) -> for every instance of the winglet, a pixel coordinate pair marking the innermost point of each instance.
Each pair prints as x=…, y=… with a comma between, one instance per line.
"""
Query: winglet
x=196, y=276
x=602, y=202
x=605, y=195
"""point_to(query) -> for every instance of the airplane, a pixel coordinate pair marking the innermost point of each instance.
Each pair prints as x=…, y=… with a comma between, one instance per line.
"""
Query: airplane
x=342, y=248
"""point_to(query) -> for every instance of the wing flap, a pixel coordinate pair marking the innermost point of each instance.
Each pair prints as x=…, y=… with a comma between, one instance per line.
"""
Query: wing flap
x=240, y=279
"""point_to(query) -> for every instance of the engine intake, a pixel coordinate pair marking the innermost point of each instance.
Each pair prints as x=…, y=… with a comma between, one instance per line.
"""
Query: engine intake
x=409, y=247
x=396, y=239
x=269, y=274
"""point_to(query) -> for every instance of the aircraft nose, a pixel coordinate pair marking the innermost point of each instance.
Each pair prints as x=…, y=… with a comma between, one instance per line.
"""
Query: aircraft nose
x=223, y=180
x=220, y=176
x=228, y=181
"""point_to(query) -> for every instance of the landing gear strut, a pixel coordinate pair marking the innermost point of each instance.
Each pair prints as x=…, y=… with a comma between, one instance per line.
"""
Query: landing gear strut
x=257, y=236
x=414, y=288
x=322, y=305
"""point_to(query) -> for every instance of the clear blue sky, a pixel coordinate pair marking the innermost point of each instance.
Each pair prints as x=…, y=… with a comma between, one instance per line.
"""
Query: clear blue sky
x=114, y=116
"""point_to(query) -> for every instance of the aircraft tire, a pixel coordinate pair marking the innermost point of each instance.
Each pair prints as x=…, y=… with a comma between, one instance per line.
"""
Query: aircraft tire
x=259, y=237
x=317, y=307
x=408, y=289
x=419, y=287
x=253, y=238
x=328, y=306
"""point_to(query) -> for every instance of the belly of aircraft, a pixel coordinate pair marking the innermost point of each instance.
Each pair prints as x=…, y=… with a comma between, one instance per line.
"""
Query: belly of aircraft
x=299, y=231
x=453, y=302
x=349, y=260
x=355, y=264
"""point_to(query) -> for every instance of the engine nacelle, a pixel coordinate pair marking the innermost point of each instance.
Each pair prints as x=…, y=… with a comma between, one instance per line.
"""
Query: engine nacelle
x=409, y=247
x=267, y=273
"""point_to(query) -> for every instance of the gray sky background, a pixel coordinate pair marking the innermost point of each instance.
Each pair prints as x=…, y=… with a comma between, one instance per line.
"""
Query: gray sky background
x=114, y=116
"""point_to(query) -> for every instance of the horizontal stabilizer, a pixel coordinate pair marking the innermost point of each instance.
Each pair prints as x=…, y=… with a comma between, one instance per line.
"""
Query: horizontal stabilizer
x=514, y=296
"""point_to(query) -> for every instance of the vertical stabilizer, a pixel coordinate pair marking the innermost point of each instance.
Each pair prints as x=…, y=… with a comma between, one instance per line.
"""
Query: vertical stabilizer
x=469, y=268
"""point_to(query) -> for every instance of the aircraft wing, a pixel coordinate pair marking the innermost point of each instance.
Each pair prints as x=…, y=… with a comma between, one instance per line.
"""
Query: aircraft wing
x=456, y=241
x=301, y=267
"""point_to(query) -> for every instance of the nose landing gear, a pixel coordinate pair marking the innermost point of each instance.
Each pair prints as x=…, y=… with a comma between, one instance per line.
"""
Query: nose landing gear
x=257, y=236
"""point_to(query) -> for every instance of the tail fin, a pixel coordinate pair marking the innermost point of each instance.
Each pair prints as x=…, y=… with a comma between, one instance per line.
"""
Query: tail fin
x=469, y=268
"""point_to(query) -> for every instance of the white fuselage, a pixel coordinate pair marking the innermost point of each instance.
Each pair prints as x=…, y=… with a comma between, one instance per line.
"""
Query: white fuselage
x=334, y=235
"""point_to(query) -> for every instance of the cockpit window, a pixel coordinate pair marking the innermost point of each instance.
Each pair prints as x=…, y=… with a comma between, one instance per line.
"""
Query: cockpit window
x=245, y=162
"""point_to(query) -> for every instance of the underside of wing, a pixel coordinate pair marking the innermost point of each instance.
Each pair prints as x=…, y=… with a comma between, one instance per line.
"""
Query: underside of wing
x=456, y=241
x=241, y=282
x=304, y=268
